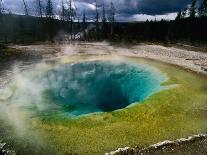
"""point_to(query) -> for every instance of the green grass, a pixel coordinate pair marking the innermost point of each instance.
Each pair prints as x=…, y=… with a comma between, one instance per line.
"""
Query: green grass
x=177, y=112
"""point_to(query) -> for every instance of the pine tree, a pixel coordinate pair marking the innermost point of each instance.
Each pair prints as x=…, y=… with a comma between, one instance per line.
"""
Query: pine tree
x=183, y=13
x=192, y=9
x=178, y=15
x=203, y=9
x=49, y=9
x=25, y=8
x=103, y=14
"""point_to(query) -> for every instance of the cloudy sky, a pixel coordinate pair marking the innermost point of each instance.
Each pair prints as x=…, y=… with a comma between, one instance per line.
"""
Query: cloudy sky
x=126, y=10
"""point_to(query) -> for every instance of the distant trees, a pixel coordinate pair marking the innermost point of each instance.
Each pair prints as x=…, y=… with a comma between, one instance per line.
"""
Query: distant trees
x=15, y=28
x=26, y=11
x=103, y=26
x=193, y=12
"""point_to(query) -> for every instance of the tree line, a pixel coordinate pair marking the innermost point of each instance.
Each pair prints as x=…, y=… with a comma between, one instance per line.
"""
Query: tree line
x=190, y=26
x=193, y=12
x=46, y=23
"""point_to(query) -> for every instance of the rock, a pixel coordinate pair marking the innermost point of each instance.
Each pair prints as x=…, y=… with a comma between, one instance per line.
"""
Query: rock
x=4, y=150
x=121, y=151
x=192, y=144
x=204, y=69
x=2, y=145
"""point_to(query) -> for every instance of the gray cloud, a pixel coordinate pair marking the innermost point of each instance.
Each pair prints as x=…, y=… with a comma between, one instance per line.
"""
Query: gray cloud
x=126, y=9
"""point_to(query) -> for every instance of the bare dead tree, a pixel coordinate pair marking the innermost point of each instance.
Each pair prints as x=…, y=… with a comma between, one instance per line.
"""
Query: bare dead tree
x=49, y=9
x=70, y=18
x=71, y=13
x=104, y=25
x=1, y=9
x=97, y=21
x=39, y=8
x=25, y=8
x=84, y=25
x=63, y=11
x=103, y=13
x=112, y=18
x=74, y=9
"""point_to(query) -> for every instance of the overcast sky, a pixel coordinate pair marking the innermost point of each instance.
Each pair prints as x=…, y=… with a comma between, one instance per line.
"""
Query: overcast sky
x=126, y=10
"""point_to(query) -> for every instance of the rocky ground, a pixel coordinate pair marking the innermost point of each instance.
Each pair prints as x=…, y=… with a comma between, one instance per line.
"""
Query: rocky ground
x=195, y=145
x=4, y=150
x=193, y=60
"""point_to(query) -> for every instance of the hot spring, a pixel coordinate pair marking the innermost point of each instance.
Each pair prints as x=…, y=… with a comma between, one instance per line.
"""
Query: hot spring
x=85, y=87
x=95, y=104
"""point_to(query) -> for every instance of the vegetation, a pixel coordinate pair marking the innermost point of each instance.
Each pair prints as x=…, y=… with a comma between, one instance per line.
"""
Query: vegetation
x=189, y=26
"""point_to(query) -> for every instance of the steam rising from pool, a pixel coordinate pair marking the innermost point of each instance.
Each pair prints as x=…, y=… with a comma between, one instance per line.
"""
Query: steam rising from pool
x=75, y=89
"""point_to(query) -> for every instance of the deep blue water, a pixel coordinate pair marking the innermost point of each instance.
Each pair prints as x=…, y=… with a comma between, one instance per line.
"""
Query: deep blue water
x=101, y=86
